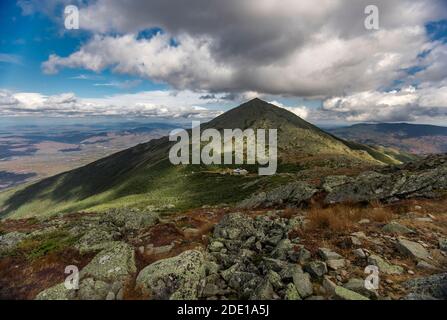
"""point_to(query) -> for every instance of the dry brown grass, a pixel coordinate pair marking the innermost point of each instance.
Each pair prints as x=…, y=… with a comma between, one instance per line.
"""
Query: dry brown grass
x=343, y=217
x=289, y=213
x=378, y=213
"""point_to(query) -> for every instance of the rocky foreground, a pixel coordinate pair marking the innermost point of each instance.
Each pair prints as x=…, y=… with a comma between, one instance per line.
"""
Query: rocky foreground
x=306, y=247
x=246, y=255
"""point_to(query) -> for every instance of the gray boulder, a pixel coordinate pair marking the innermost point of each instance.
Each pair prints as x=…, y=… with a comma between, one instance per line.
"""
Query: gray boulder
x=234, y=226
x=412, y=249
x=302, y=283
x=396, y=228
x=57, y=292
x=176, y=278
x=10, y=240
x=293, y=193
x=431, y=287
x=384, y=266
x=116, y=263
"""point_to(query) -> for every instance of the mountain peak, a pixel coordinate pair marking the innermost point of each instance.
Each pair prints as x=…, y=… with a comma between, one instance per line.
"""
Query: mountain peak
x=258, y=113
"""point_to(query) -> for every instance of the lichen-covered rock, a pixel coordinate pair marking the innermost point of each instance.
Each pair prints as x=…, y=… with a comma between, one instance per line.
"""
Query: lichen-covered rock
x=332, y=182
x=10, y=240
x=396, y=228
x=57, y=292
x=317, y=269
x=293, y=193
x=291, y=293
x=328, y=254
x=384, y=266
x=431, y=287
x=358, y=285
x=131, y=219
x=96, y=240
x=235, y=226
x=116, y=263
x=302, y=283
x=264, y=291
x=91, y=289
x=175, y=278
x=418, y=179
x=346, y=294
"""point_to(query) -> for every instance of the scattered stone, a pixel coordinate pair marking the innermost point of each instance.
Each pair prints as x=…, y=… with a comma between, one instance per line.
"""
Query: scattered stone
x=364, y=221
x=396, y=228
x=264, y=291
x=358, y=285
x=316, y=269
x=355, y=241
x=301, y=256
x=327, y=254
x=336, y=264
x=423, y=265
x=216, y=246
x=291, y=293
x=443, y=244
x=359, y=253
x=282, y=249
x=412, y=249
x=346, y=294
x=328, y=285
x=384, y=266
x=150, y=249
x=301, y=280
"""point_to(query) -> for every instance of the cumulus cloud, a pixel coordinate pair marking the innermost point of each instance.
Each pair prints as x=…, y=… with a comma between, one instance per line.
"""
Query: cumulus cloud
x=237, y=50
x=295, y=48
x=159, y=104
x=407, y=104
x=300, y=111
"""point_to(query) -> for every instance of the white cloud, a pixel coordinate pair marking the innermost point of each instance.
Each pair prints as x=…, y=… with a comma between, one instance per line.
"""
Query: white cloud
x=408, y=104
x=301, y=111
x=127, y=84
x=296, y=48
x=10, y=58
x=161, y=104
x=243, y=49
x=188, y=65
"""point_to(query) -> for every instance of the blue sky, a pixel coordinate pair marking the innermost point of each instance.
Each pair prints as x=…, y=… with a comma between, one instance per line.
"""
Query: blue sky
x=32, y=38
x=182, y=61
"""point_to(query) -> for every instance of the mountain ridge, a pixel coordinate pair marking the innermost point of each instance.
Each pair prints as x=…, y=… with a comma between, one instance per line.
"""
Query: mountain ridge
x=142, y=175
x=406, y=137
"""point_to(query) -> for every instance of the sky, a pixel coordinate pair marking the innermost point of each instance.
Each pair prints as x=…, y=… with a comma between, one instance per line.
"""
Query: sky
x=176, y=59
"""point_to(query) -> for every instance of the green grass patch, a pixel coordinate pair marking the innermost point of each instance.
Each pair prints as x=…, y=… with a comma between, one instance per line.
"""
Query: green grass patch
x=39, y=246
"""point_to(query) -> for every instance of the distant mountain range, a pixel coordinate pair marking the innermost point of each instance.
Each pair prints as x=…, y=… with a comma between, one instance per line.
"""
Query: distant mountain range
x=143, y=175
x=411, y=138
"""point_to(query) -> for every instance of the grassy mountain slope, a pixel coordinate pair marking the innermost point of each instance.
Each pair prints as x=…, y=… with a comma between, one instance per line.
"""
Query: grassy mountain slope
x=143, y=176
